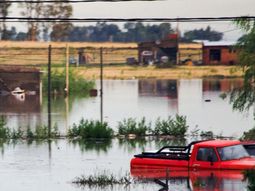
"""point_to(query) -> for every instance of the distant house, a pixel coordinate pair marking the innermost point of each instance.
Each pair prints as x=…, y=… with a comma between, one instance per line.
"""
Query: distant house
x=219, y=52
x=158, y=51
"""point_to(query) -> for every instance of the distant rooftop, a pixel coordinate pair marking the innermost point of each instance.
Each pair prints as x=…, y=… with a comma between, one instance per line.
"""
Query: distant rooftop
x=217, y=43
x=15, y=68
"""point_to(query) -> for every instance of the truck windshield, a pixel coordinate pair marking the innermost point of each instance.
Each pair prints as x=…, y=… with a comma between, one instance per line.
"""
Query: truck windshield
x=232, y=152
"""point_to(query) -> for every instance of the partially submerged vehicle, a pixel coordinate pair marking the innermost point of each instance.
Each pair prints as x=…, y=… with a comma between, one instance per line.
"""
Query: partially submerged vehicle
x=201, y=180
x=210, y=154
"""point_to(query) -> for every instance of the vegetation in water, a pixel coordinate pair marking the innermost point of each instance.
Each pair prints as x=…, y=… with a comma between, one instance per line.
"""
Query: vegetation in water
x=42, y=132
x=87, y=129
x=4, y=131
x=249, y=175
x=102, y=180
x=77, y=84
x=171, y=126
x=132, y=126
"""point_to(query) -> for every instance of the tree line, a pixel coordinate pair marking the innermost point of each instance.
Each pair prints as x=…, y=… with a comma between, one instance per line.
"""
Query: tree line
x=100, y=32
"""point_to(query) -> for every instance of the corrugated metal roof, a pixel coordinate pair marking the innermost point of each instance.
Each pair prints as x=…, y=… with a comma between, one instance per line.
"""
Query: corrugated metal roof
x=219, y=43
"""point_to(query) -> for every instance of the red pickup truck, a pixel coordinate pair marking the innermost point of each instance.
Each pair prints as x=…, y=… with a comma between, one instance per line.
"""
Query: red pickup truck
x=211, y=154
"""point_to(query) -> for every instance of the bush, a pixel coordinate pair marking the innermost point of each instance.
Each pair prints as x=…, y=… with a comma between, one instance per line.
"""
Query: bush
x=175, y=127
x=90, y=129
x=130, y=126
x=4, y=131
x=42, y=132
x=77, y=84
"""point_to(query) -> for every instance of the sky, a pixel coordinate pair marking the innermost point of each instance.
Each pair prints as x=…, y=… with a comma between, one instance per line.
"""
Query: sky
x=168, y=9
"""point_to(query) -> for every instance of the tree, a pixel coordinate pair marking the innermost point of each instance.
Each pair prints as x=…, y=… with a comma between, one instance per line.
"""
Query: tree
x=4, y=11
x=243, y=98
x=58, y=10
x=42, y=9
x=202, y=34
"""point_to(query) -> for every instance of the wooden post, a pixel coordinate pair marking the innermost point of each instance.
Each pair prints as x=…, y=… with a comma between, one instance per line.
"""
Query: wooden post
x=101, y=85
x=49, y=91
x=67, y=70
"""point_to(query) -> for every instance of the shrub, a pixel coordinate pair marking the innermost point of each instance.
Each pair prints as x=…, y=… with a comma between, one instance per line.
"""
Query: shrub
x=130, y=126
x=175, y=127
x=17, y=134
x=77, y=84
x=90, y=129
x=4, y=131
x=42, y=132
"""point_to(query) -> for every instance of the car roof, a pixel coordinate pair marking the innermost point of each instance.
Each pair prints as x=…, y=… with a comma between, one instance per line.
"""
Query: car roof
x=218, y=143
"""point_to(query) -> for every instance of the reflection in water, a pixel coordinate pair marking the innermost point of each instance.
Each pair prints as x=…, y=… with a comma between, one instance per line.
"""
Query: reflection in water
x=161, y=142
x=19, y=104
x=131, y=144
x=93, y=145
x=161, y=88
x=223, y=85
x=195, y=180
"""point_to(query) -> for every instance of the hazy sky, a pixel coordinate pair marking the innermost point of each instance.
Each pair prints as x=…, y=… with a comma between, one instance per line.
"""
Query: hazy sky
x=171, y=9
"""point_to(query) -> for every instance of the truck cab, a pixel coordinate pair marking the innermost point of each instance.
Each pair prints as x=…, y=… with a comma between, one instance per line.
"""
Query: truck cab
x=220, y=154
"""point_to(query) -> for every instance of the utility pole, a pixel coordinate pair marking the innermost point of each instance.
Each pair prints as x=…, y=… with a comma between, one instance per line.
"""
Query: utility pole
x=177, y=41
x=67, y=71
x=49, y=91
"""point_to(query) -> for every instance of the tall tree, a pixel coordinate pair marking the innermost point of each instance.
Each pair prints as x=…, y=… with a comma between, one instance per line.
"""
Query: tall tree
x=58, y=10
x=43, y=10
x=32, y=10
x=4, y=11
x=243, y=98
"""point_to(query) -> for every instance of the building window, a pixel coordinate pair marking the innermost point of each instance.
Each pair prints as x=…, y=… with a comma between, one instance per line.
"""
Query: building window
x=215, y=55
x=206, y=154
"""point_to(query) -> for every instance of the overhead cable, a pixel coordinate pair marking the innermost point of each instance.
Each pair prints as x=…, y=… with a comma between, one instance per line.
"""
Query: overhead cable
x=162, y=19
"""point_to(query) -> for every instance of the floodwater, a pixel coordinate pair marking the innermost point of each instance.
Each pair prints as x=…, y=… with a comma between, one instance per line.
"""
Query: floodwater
x=53, y=165
x=199, y=100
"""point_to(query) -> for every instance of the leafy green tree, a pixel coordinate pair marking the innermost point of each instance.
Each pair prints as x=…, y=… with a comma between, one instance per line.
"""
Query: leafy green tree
x=244, y=97
x=4, y=11
x=202, y=34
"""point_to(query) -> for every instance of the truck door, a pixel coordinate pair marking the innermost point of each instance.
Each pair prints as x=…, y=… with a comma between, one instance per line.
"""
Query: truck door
x=206, y=158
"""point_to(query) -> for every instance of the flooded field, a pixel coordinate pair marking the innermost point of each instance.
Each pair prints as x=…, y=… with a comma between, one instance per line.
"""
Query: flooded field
x=53, y=165
x=199, y=100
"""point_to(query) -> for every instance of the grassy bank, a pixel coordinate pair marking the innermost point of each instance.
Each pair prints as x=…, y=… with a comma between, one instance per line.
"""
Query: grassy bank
x=140, y=72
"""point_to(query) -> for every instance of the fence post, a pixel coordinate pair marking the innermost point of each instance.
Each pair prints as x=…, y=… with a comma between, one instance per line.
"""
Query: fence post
x=101, y=85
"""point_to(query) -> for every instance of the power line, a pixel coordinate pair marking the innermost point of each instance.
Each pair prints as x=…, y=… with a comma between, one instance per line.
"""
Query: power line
x=179, y=19
x=67, y=1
